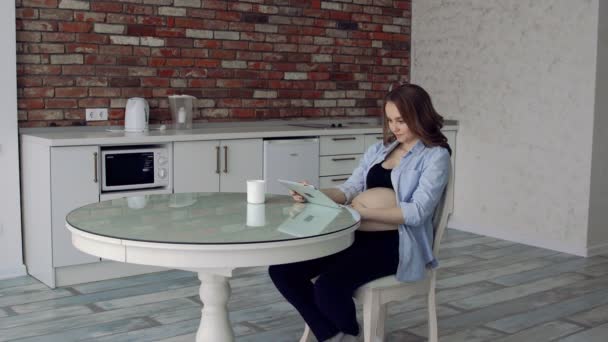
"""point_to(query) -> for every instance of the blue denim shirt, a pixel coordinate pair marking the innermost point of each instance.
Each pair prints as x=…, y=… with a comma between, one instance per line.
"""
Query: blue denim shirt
x=418, y=180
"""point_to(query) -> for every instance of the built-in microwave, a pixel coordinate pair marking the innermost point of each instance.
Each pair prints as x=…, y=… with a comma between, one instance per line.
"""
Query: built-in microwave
x=135, y=167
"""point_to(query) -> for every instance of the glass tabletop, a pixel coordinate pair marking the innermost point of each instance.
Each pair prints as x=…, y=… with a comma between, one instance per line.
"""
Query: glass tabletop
x=209, y=218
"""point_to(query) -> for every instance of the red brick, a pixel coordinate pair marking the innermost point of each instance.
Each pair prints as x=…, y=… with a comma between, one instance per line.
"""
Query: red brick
x=30, y=103
x=114, y=18
x=141, y=51
x=75, y=27
x=207, y=63
x=51, y=114
x=243, y=113
x=28, y=81
x=99, y=6
x=229, y=83
x=202, y=83
x=61, y=103
x=137, y=9
x=189, y=23
x=165, y=52
x=26, y=13
x=28, y=36
x=58, y=81
x=260, y=47
x=92, y=81
x=222, y=54
x=151, y=20
x=169, y=32
x=104, y=70
x=41, y=69
x=141, y=30
x=132, y=60
x=155, y=82
x=90, y=17
x=193, y=72
x=94, y=102
x=99, y=59
x=156, y=62
x=116, y=50
x=136, y=92
x=71, y=92
x=235, y=45
x=242, y=27
x=214, y=4
x=179, y=62
x=92, y=38
x=207, y=44
x=228, y=16
x=81, y=48
x=124, y=82
x=37, y=25
x=78, y=70
x=40, y=3
x=167, y=72
x=179, y=42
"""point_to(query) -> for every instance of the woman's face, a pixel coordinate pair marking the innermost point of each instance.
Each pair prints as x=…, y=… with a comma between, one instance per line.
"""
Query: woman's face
x=397, y=125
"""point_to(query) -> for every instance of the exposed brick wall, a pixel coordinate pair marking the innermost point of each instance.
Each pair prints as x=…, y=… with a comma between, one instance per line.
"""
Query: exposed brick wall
x=250, y=59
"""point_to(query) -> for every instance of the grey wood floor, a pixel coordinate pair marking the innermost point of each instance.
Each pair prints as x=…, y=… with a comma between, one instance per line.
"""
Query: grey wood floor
x=489, y=290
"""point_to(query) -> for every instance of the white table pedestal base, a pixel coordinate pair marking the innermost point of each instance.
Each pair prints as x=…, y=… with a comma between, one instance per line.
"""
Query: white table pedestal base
x=215, y=324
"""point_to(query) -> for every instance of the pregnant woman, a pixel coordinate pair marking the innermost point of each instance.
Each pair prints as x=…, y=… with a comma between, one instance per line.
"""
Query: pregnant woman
x=395, y=189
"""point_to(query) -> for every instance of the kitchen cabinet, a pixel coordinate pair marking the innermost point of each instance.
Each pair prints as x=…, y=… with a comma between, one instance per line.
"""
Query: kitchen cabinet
x=216, y=165
x=339, y=156
x=74, y=183
x=56, y=180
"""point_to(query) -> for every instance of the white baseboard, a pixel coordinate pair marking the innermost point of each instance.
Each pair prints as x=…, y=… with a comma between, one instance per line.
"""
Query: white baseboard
x=13, y=272
x=505, y=234
x=597, y=249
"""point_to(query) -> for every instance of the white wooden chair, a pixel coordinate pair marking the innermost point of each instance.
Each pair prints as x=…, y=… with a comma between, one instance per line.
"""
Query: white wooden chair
x=376, y=294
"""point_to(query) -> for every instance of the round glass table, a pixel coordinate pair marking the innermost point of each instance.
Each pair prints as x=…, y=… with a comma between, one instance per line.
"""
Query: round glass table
x=211, y=234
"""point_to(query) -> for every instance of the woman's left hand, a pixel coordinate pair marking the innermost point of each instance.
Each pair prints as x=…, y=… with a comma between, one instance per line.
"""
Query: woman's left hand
x=359, y=208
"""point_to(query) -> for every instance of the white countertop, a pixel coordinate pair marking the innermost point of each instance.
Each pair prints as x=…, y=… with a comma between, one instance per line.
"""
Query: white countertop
x=79, y=136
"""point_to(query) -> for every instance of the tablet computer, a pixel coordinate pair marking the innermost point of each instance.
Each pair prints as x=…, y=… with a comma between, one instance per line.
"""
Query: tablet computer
x=310, y=193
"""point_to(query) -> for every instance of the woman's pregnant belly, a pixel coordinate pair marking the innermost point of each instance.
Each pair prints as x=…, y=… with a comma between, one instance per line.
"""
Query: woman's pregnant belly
x=376, y=198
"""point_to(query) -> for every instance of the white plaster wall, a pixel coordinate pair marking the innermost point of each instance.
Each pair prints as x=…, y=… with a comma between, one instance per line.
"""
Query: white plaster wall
x=598, y=221
x=11, y=260
x=519, y=75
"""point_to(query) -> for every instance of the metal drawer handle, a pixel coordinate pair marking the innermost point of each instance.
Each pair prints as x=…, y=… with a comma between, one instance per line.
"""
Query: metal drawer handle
x=379, y=138
x=338, y=179
x=217, y=159
x=225, y=159
x=347, y=138
x=95, y=167
x=343, y=159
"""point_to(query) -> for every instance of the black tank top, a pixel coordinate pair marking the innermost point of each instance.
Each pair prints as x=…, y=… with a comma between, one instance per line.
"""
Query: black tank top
x=379, y=177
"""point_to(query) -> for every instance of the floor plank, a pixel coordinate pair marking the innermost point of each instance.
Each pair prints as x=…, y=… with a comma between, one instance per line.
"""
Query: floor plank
x=489, y=290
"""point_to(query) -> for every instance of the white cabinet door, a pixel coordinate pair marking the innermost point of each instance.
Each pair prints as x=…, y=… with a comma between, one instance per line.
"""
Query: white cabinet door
x=196, y=166
x=242, y=159
x=74, y=183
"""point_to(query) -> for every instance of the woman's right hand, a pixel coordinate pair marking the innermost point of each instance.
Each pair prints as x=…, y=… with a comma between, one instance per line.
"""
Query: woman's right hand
x=296, y=196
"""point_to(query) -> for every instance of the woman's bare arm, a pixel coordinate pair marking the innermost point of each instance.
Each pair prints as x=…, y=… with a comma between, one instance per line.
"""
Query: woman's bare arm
x=335, y=194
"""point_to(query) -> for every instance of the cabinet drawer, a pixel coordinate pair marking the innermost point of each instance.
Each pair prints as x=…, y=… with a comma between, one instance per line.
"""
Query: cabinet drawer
x=331, y=181
x=341, y=144
x=338, y=165
x=371, y=139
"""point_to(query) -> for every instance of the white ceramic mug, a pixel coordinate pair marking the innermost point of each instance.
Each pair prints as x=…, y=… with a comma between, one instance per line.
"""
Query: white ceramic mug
x=256, y=190
x=256, y=215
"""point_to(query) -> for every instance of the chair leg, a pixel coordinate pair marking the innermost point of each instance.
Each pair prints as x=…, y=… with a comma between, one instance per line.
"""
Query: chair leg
x=432, y=309
x=307, y=336
x=373, y=317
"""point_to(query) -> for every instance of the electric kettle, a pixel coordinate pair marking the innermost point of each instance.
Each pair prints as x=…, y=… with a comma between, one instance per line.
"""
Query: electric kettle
x=136, y=115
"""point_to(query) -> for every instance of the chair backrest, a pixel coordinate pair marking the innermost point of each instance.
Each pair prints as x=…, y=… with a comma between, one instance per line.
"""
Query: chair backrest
x=442, y=212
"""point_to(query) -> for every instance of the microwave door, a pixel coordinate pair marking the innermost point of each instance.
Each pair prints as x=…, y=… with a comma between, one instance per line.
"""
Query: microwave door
x=127, y=171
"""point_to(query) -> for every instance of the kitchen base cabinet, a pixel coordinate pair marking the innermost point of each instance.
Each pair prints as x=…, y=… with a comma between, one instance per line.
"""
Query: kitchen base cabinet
x=217, y=165
x=56, y=180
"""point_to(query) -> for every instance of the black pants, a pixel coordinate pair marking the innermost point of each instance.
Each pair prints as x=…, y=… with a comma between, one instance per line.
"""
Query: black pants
x=327, y=305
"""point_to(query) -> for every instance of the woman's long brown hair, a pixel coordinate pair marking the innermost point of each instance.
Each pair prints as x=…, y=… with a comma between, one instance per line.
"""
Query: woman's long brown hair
x=417, y=111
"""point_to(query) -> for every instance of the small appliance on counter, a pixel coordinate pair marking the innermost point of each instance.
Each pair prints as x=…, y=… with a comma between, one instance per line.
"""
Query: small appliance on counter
x=181, y=110
x=137, y=114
